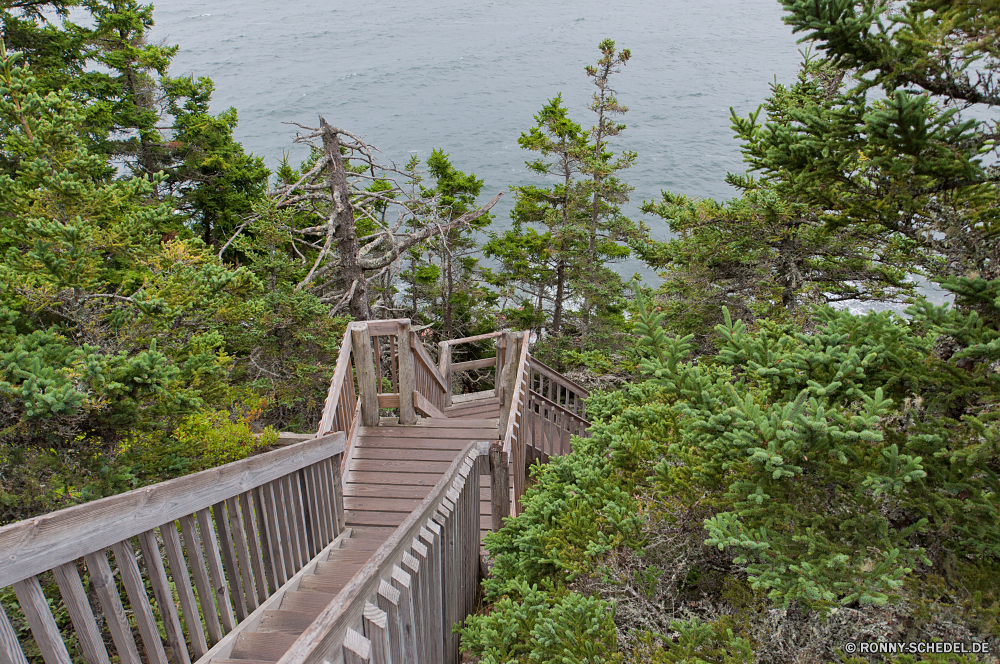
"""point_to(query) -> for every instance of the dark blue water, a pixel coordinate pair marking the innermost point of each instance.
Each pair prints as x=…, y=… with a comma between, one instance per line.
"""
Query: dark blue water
x=469, y=76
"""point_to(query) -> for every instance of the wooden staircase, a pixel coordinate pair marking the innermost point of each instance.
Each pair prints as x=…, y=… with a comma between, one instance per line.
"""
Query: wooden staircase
x=392, y=469
x=362, y=544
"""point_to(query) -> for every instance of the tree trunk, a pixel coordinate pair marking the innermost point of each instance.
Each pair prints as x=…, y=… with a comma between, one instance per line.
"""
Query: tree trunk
x=557, y=314
x=351, y=276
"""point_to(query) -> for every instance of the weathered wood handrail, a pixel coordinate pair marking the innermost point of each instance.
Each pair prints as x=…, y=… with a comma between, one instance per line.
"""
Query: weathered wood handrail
x=447, y=368
x=247, y=527
x=401, y=605
x=377, y=348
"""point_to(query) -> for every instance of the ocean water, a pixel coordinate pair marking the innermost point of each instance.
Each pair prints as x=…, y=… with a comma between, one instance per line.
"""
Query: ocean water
x=468, y=77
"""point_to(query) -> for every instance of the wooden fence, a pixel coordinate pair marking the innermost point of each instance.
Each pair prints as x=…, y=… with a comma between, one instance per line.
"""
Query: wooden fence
x=540, y=411
x=448, y=369
x=239, y=532
x=400, y=608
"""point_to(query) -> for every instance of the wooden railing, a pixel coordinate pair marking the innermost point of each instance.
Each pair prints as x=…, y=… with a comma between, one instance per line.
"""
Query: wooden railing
x=239, y=532
x=371, y=354
x=448, y=369
x=401, y=606
x=541, y=410
x=556, y=411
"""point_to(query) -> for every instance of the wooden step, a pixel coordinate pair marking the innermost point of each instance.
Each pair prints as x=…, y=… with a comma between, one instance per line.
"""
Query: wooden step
x=284, y=622
x=360, y=545
x=347, y=557
x=309, y=602
x=473, y=397
x=266, y=646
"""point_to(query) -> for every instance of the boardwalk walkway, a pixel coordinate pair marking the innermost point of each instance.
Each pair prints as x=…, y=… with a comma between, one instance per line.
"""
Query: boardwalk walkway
x=390, y=471
x=359, y=544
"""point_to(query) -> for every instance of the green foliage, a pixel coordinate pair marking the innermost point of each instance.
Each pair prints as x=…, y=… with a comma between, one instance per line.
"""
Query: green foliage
x=565, y=235
x=543, y=626
x=909, y=165
x=830, y=502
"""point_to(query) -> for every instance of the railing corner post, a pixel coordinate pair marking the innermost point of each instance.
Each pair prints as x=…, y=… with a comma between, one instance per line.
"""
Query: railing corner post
x=444, y=366
x=364, y=361
x=499, y=485
x=508, y=379
x=407, y=375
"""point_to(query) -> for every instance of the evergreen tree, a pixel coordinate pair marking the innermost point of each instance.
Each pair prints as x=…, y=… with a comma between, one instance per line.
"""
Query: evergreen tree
x=608, y=230
x=546, y=265
x=913, y=161
x=767, y=253
x=215, y=181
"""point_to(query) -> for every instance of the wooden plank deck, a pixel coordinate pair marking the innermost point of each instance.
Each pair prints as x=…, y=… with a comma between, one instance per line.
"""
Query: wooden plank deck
x=391, y=469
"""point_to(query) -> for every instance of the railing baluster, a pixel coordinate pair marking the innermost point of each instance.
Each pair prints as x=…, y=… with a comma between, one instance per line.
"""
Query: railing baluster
x=233, y=579
x=303, y=526
x=185, y=593
x=402, y=582
x=357, y=649
x=164, y=597
x=128, y=568
x=206, y=597
x=279, y=548
x=239, y=537
x=111, y=604
x=313, y=503
x=375, y=622
x=411, y=566
x=10, y=647
x=291, y=522
x=266, y=543
x=75, y=599
x=287, y=550
x=252, y=529
x=388, y=601
x=219, y=585
x=43, y=625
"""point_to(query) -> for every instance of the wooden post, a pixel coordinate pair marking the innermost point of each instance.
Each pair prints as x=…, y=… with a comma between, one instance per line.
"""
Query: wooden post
x=407, y=377
x=364, y=364
x=444, y=365
x=499, y=485
x=509, y=380
x=501, y=344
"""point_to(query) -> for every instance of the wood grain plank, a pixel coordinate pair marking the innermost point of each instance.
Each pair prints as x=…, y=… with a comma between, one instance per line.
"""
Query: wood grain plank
x=206, y=597
x=388, y=601
x=185, y=592
x=357, y=649
x=275, y=542
x=398, y=466
x=362, y=518
x=142, y=612
x=229, y=562
x=383, y=490
x=43, y=625
x=10, y=647
x=36, y=545
x=75, y=599
x=220, y=587
x=239, y=534
x=253, y=530
x=386, y=504
x=375, y=622
x=103, y=582
x=164, y=597
x=425, y=406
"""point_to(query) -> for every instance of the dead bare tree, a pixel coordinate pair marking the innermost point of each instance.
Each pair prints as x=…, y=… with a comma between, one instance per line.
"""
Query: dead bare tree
x=339, y=194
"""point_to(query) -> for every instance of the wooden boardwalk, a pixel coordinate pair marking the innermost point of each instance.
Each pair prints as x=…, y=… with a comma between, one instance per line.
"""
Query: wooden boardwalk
x=389, y=472
x=351, y=545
